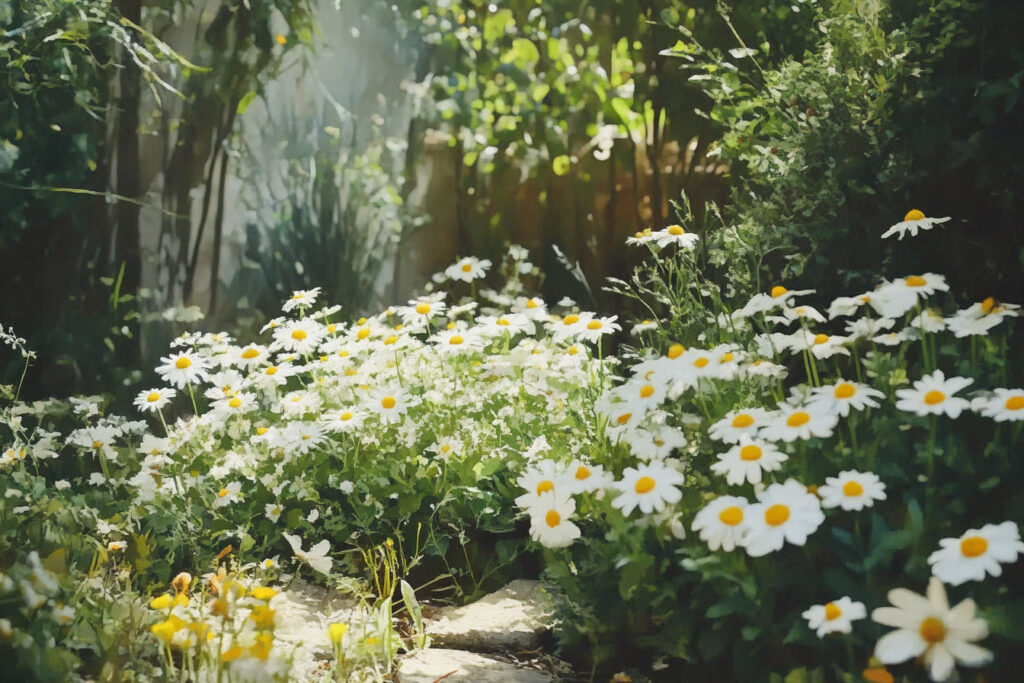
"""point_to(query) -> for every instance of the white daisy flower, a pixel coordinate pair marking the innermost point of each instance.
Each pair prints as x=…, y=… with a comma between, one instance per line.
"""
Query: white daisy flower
x=976, y=553
x=762, y=303
x=1003, y=405
x=228, y=495
x=933, y=395
x=739, y=422
x=893, y=299
x=928, y=628
x=248, y=357
x=789, y=315
x=298, y=336
x=821, y=345
x=641, y=237
x=783, y=513
x=316, y=557
x=720, y=523
x=272, y=511
x=674, y=234
x=181, y=369
x=599, y=326
x=851, y=490
x=648, y=487
x=847, y=305
x=914, y=220
x=238, y=404
x=152, y=400
x=745, y=461
x=643, y=326
x=654, y=442
x=843, y=395
x=390, y=402
x=861, y=328
x=549, y=520
x=456, y=341
x=570, y=326
x=834, y=617
x=979, y=318
x=584, y=477
x=468, y=269
x=301, y=298
x=796, y=422
x=538, y=480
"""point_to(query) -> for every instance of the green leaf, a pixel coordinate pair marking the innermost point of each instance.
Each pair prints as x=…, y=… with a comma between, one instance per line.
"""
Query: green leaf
x=246, y=100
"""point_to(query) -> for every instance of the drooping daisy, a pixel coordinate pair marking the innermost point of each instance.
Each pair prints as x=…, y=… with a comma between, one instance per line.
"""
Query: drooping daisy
x=926, y=626
x=720, y=523
x=783, y=513
x=762, y=303
x=834, y=617
x=641, y=237
x=852, y=490
x=181, y=369
x=549, y=520
x=301, y=298
x=933, y=395
x=468, y=269
x=800, y=422
x=745, y=461
x=821, y=345
x=152, y=400
x=316, y=557
x=979, y=318
x=847, y=305
x=1003, y=405
x=844, y=395
x=654, y=442
x=228, y=495
x=914, y=220
x=738, y=422
x=649, y=487
x=976, y=553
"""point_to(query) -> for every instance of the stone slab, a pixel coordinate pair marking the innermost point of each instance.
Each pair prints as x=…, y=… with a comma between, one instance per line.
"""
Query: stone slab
x=511, y=619
x=436, y=665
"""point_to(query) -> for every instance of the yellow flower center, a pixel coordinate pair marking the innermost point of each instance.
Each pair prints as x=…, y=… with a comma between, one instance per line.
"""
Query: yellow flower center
x=153, y=397
x=552, y=519
x=933, y=630
x=363, y=333
x=644, y=485
x=445, y=448
x=235, y=402
x=222, y=493
x=726, y=358
x=731, y=515
x=914, y=215
x=450, y=326
x=345, y=416
x=777, y=291
x=750, y=452
x=988, y=305
x=646, y=391
x=777, y=514
x=675, y=351
x=844, y=390
x=701, y=362
x=675, y=230
x=502, y=321
x=456, y=340
x=798, y=419
x=261, y=430
x=853, y=489
x=972, y=546
x=742, y=421
x=423, y=308
x=582, y=472
x=934, y=397
x=361, y=321
x=573, y=350
x=531, y=303
x=570, y=319
x=915, y=281
x=391, y=339
x=249, y=354
x=624, y=418
x=97, y=445
x=545, y=486
x=832, y=612
x=272, y=370
x=1015, y=403
x=182, y=363
x=466, y=267
x=388, y=402
x=820, y=338
x=594, y=325
x=299, y=335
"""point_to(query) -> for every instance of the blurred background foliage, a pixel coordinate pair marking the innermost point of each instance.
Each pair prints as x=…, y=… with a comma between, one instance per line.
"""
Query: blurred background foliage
x=171, y=154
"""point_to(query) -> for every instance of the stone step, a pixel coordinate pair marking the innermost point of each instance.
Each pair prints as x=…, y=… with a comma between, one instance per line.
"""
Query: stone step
x=511, y=619
x=435, y=665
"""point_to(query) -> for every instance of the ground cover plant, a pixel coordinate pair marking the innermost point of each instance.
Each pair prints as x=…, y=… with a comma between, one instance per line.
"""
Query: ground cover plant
x=752, y=487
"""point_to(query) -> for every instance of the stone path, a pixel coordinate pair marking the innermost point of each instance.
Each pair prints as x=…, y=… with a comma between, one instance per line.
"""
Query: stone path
x=477, y=642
